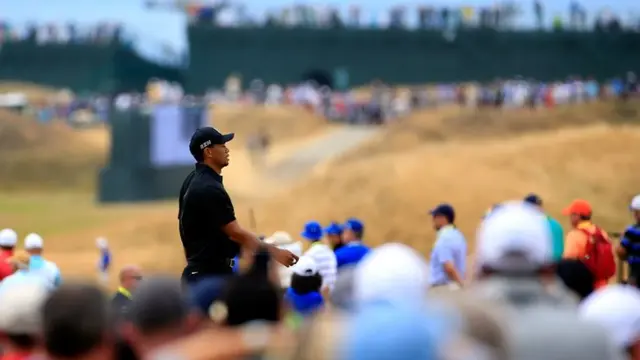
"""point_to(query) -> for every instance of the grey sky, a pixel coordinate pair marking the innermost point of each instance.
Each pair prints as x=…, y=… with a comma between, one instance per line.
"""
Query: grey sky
x=166, y=27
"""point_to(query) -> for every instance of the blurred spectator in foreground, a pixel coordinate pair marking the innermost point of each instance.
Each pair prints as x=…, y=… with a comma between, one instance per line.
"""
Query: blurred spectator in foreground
x=38, y=265
x=617, y=309
x=130, y=276
x=20, y=321
x=159, y=313
x=77, y=324
x=514, y=257
x=393, y=274
x=8, y=240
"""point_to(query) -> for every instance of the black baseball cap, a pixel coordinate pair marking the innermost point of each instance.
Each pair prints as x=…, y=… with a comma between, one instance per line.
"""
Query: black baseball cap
x=533, y=199
x=445, y=210
x=205, y=137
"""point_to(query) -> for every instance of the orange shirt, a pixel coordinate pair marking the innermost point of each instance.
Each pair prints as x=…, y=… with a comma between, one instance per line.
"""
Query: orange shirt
x=575, y=244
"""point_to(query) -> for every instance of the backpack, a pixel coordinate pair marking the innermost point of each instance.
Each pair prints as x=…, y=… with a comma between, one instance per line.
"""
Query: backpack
x=599, y=255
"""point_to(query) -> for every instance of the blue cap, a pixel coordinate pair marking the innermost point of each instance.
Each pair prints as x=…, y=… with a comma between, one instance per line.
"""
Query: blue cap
x=312, y=231
x=206, y=291
x=333, y=229
x=445, y=210
x=354, y=225
x=413, y=334
x=533, y=199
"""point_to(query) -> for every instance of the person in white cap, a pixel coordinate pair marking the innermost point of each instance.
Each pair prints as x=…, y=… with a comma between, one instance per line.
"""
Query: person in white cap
x=515, y=261
x=629, y=248
x=20, y=320
x=283, y=240
x=38, y=265
x=8, y=240
x=617, y=309
x=391, y=273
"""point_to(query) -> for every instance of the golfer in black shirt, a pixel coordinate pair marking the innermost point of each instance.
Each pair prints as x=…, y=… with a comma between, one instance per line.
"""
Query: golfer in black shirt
x=209, y=231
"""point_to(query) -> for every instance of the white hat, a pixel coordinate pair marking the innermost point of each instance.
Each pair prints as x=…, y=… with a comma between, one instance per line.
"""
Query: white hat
x=617, y=308
x=514, y=237
x=8, y=237
x=20, y=305
x=102, y=243
x=305, y=266
x=393, y=273
x=33, y=241
x=279, y=238
x=635, y=203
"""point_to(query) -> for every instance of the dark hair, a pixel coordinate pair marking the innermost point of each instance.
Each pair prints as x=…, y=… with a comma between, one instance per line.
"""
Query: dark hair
x=7, y=247
x=302, y=284
x=158, y=304
x=585, y=217
x=76, y=319
x=359, y=234
x=252, y=296
x=22, y=341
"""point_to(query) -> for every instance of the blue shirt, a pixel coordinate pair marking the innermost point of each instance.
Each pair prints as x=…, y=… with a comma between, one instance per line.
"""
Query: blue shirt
x=450, y=246
x=46, y=269
x=351, y=253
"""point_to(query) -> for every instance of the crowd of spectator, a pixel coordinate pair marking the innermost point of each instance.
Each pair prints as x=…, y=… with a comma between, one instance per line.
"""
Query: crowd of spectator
x=523, y=298
x=501, y=15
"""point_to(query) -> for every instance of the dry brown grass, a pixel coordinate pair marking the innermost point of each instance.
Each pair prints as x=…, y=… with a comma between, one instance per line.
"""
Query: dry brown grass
x=35, y=93
x=450, y=123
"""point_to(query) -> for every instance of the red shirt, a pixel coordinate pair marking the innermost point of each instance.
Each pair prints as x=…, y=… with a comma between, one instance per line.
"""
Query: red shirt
x=5, y=268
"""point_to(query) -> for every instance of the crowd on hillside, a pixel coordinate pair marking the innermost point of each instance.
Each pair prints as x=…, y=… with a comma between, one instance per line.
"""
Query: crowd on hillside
x=534, y=292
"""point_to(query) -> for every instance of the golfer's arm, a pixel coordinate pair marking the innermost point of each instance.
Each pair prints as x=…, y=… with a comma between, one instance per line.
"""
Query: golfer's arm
x=247, y=240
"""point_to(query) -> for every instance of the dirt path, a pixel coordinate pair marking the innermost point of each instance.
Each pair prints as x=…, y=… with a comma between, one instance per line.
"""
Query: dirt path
x=287, y=163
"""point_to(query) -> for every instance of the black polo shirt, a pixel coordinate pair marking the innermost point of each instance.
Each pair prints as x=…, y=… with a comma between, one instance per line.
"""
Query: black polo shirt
x=204, y=208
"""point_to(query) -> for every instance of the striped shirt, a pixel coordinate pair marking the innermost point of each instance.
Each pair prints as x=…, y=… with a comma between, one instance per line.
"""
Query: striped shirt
x=326, y=261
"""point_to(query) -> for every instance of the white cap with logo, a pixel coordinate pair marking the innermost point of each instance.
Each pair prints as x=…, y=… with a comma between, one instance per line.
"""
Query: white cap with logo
x=635, y=203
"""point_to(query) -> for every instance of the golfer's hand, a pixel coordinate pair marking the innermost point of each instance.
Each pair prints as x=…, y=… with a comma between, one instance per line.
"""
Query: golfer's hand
x=285, y=257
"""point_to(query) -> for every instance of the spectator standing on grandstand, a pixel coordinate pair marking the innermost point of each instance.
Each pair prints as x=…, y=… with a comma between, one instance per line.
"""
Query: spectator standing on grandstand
x=353, y=250
x=209, y=231
x=617, y=309
x=77, y=324
x=449, y=254
x=333, y=232
x=629, y=248
x=557, y=234
x=514, y=257
x=129, y=277
x=159, y=313
x=38, y=265
x=20, y=323
x=321, y=253
x=588, y=255
x=8, y=240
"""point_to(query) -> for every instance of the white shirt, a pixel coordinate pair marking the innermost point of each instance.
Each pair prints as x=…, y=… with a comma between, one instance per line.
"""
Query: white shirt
x=326, y=261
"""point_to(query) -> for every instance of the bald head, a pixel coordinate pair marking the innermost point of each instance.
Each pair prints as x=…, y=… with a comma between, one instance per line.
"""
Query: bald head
x=129, y=276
